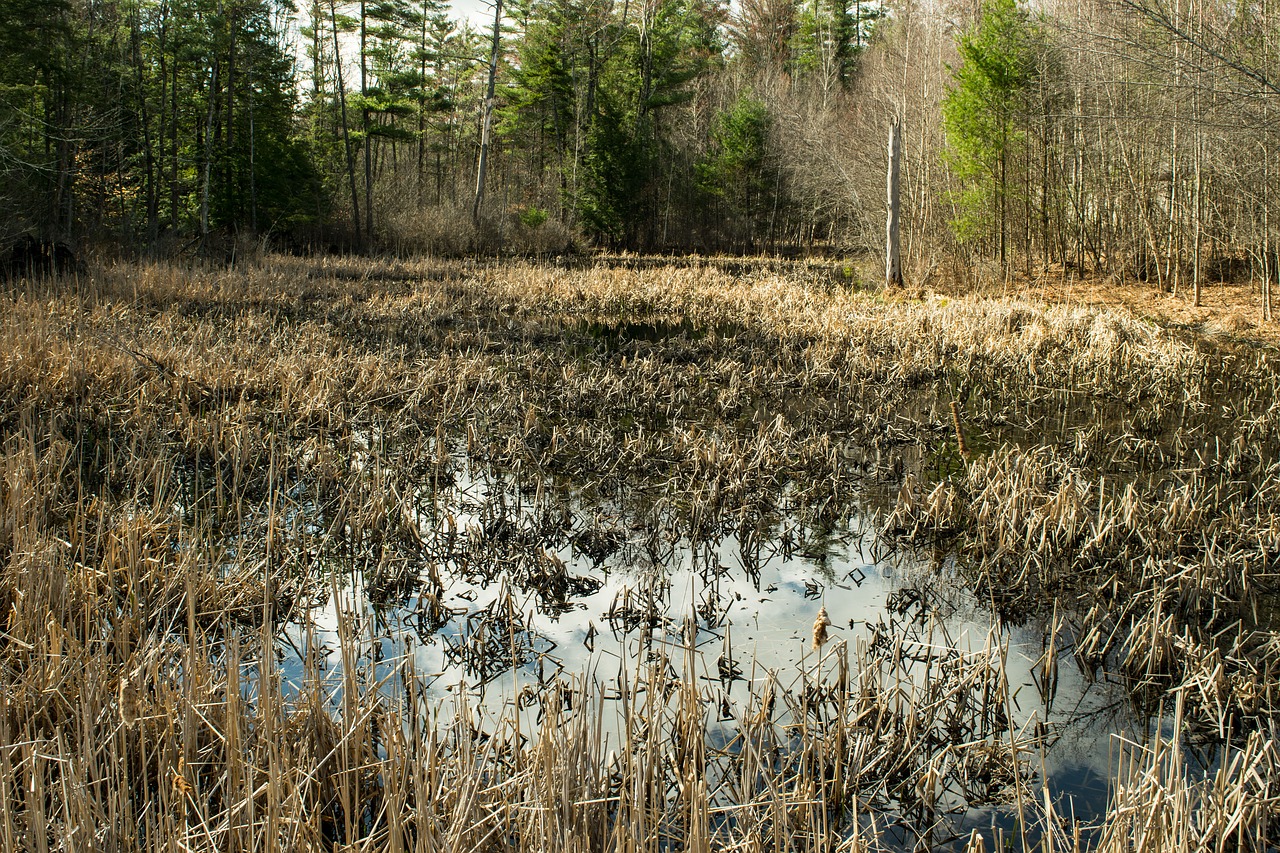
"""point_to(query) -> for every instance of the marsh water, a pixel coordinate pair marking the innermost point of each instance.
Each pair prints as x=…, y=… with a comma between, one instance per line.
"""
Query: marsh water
x=511, y=592
x=561, y=549
x=539, y=587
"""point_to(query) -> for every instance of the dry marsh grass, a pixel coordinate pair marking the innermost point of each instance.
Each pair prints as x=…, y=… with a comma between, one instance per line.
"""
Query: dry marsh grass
x=168, y=437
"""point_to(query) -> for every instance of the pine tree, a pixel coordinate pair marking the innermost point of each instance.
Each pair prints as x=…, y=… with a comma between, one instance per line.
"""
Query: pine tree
x=615, y=170
x=829, y=36
x=37, y=84
x=983, y=113
x=735, y=173
x=540, y=97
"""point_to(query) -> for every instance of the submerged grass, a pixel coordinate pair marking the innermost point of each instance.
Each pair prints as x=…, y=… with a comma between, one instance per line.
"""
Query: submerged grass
x=185, y=455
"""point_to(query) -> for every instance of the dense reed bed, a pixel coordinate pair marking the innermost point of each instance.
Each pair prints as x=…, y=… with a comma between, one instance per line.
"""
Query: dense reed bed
x=187, y=454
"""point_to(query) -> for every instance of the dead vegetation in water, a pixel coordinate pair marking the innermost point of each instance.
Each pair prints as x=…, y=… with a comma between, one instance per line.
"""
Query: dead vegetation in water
x=1167, y=580
x=189, y=739
x=185, y=452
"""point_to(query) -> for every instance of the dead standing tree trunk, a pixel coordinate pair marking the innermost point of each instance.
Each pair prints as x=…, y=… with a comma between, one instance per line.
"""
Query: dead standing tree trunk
x=893, y=228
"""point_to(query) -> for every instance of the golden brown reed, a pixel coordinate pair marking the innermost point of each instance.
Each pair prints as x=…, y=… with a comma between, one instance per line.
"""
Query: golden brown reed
x=162, y=430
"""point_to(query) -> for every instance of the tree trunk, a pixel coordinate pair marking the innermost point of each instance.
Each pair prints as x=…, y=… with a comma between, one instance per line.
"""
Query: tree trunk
x=1198, y=118
x=364, y=124
x=487, y=118
x=1195, y=248
x=346, y=133
x=1267, y=268
x=253, y=167
x=1270, y=263
x=174, y=188
x=893, y=230
x=420, y=177
x=208, y=151
x=1173, y=271
x=231, y=188
x=152, y=194
x=1001, y=188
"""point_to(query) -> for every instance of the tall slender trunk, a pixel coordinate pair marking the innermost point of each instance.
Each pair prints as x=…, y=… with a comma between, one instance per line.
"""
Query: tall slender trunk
x=1046, y=254
x=422, y=108
x=486, y=124
x=1172, y=270
x=152, y=194
x=364, y=125
x=163, y=118
x=230, y=181
x=317, y=64
x=1266, y=249
x=207, y=168
x=346, y=132
x=1199, y=177
x=1001, y=192
x=319, y=112
x=1270, y=264
x=893, y=233
x=1196, y=228
x=253, y=168
x=174, y=188
x=1026, y=208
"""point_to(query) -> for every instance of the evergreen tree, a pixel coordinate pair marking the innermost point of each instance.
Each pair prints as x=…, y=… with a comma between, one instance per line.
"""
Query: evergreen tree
x=540, y=97
x=37, y=82
x=394, y=95
x=735, y=173
x=438, y=52
x=615, y=168
x=829, y=36
x=983, y=113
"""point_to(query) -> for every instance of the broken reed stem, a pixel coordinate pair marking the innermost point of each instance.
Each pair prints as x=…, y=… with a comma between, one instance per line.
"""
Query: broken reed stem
x=955, y=422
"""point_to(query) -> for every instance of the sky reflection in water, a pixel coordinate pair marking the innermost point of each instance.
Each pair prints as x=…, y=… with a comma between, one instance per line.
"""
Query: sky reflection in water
x=754, y=608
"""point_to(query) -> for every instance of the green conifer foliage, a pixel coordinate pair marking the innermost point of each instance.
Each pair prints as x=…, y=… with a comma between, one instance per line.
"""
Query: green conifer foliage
x=735, y=172
x=983, y=114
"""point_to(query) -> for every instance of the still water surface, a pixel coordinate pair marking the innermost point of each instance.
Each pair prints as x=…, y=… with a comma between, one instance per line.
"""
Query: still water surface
x=574, y=588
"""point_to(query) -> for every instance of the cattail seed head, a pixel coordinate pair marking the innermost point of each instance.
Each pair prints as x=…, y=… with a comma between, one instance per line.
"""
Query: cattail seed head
x=820, y=626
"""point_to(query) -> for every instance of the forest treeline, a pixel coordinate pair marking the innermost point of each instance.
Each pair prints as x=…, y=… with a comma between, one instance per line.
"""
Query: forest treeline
x=1130, y=137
